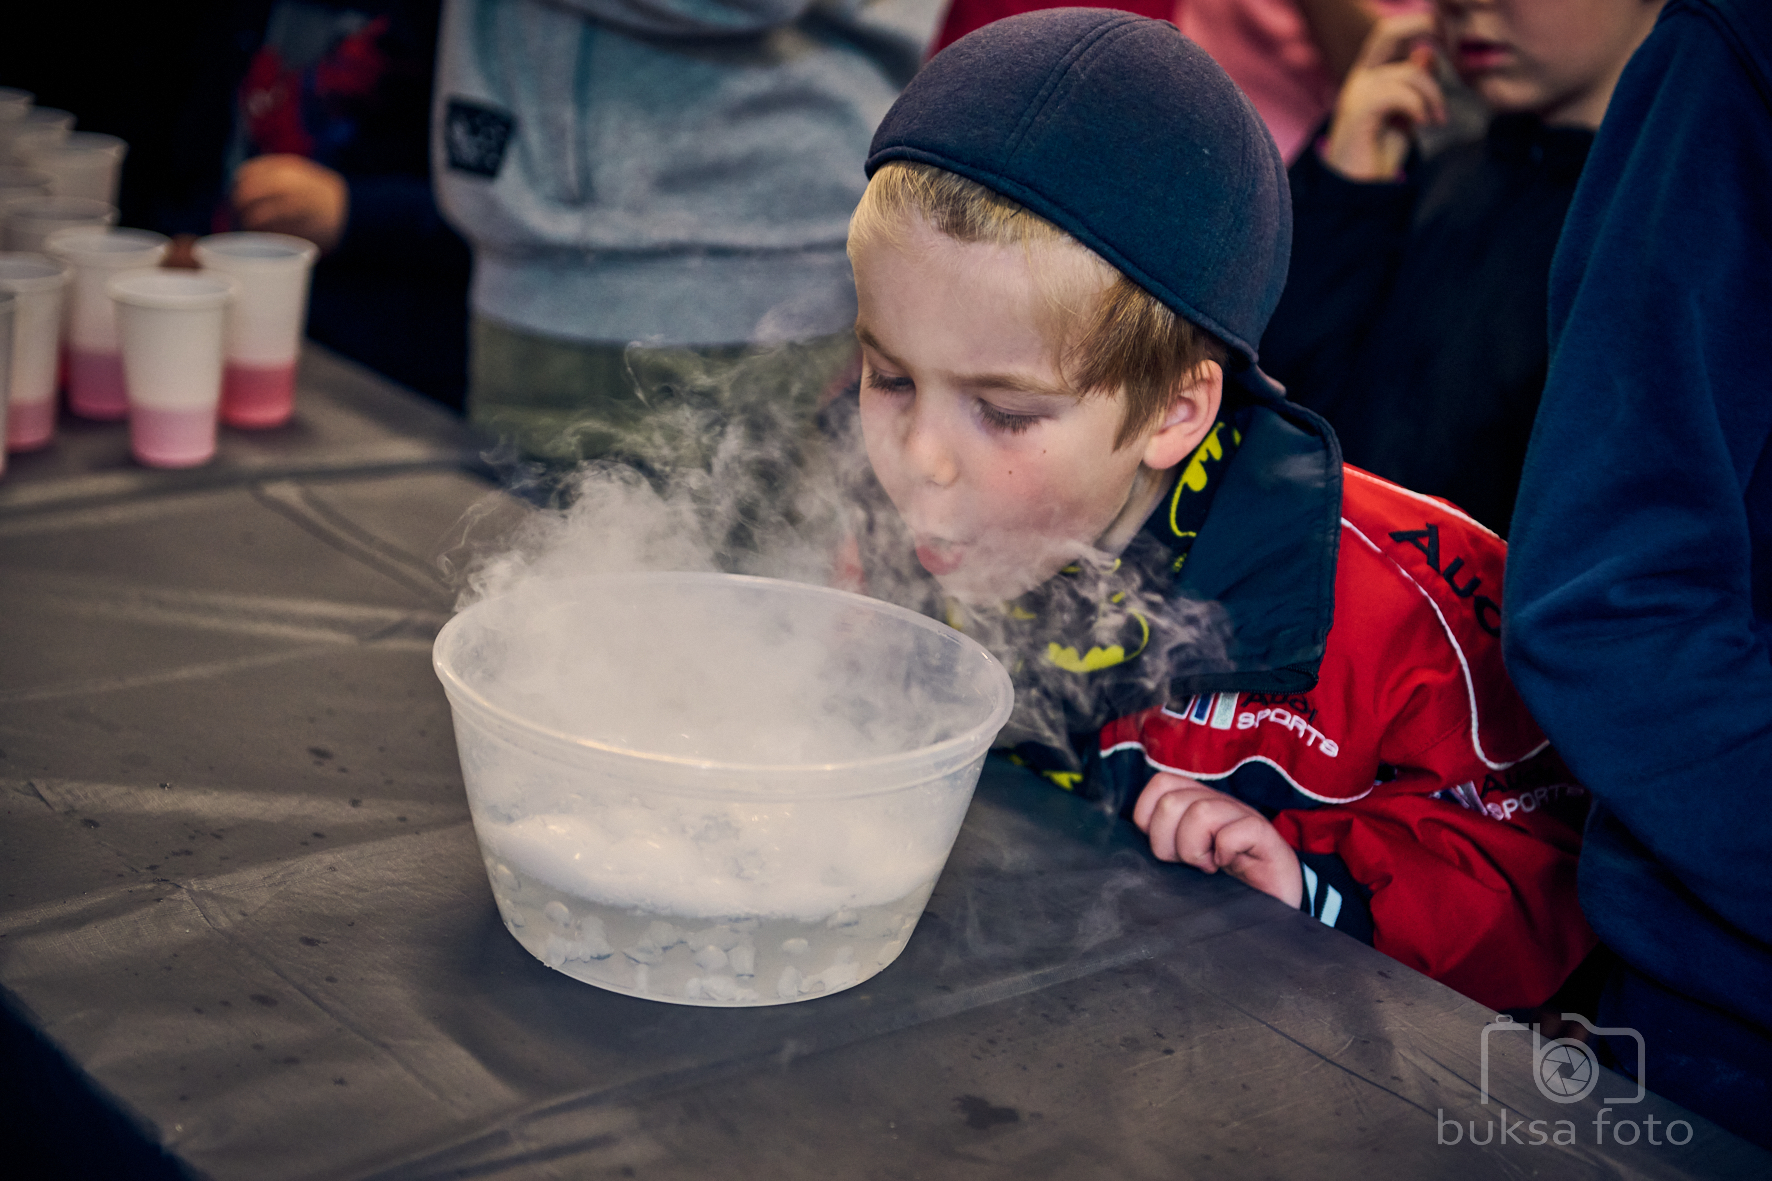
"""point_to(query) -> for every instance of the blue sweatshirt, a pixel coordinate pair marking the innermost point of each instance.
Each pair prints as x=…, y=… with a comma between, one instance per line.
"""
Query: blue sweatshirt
x=1638, y=620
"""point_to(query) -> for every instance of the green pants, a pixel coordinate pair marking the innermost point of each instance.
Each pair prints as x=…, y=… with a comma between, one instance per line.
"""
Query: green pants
x=564, y=402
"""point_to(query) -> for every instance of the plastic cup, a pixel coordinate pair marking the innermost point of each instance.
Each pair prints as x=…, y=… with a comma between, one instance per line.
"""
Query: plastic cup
x=41, y=128
x=265, y=325
x=14, y=106
x=8, y=304
x=710, y=789
x=48, y=119
x=19, y=181
x=86, y=164
x=172, y=325
x=19, y=184
x=30, y=220
x=38, y=284
x=94, y=355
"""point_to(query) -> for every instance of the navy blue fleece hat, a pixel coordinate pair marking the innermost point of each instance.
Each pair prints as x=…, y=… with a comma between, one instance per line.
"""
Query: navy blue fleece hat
x=1126, y=135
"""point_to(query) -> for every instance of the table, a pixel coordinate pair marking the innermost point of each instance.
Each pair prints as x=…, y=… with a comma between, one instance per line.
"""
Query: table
x=246, y=931
x=348, y=421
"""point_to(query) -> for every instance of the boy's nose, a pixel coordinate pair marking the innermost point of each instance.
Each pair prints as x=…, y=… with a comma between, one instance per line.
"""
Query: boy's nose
x=926, y=446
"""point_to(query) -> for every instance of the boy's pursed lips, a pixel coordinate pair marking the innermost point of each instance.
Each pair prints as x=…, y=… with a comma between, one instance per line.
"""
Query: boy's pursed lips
x=940, y=556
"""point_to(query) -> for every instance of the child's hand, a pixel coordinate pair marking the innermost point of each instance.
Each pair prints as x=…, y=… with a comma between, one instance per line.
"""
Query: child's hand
x=1191, y=823
x=292, y=195
x=1389, y=93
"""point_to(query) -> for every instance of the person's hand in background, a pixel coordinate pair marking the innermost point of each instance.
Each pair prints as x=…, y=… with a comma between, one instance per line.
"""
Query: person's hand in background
x=1389, y=93
x=181, y=253
x=285, y=194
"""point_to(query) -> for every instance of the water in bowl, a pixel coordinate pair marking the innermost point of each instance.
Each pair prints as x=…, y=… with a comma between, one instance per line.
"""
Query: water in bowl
x=715, y=790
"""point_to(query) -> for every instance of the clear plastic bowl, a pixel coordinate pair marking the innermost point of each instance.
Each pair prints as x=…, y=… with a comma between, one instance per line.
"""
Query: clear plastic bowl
x=711, y=789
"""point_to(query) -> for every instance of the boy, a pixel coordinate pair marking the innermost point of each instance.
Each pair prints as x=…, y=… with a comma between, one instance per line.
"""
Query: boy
x=1414, y=315
x=1075, y=228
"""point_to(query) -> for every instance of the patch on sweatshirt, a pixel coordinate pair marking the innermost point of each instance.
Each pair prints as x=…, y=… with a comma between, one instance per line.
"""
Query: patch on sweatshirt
x=476, y=137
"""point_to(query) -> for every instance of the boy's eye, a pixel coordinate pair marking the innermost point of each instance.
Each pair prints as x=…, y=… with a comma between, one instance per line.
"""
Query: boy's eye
x=1001, y=420
x=888, y=384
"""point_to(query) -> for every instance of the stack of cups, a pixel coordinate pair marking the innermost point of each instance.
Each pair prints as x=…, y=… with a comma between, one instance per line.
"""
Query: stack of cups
x=265, y=324
x=30, y=220
x=95, y=361
x=8, y=303
x=14, y=106
x=41, y=129
x=172, y=324
x=16, y=184
x=86, y=164
x=37, y=284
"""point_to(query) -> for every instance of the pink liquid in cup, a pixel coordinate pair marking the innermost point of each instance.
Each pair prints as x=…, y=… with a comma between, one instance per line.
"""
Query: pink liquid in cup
x=255, y=396
x=172, y=438
x=30, y=425
x=95, y=385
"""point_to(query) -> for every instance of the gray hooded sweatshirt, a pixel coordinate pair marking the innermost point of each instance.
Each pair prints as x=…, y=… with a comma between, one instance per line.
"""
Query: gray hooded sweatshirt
x=668, y=171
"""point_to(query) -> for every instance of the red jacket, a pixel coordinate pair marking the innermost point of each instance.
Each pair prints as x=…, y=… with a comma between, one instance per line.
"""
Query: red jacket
x=1324, y=646
x=1412, y=759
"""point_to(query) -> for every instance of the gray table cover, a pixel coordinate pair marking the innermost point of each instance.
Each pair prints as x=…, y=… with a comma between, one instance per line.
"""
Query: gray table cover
x=245, y=916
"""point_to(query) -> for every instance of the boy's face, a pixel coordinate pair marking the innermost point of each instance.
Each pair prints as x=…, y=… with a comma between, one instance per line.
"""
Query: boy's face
x=1002, y=474
x=1558, y=58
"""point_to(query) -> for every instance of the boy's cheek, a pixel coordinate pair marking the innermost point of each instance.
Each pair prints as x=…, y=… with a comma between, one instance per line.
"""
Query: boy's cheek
x=890, y=470
x=874, y=439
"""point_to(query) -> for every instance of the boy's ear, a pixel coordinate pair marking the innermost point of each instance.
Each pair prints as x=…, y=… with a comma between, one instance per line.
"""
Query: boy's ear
x=1192, y=409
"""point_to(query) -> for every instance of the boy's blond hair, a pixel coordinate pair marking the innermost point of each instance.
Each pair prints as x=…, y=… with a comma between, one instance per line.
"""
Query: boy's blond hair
x=1129, y=340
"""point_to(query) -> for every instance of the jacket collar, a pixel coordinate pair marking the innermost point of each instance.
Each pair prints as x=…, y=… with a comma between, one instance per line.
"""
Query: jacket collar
x=1267, y=555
